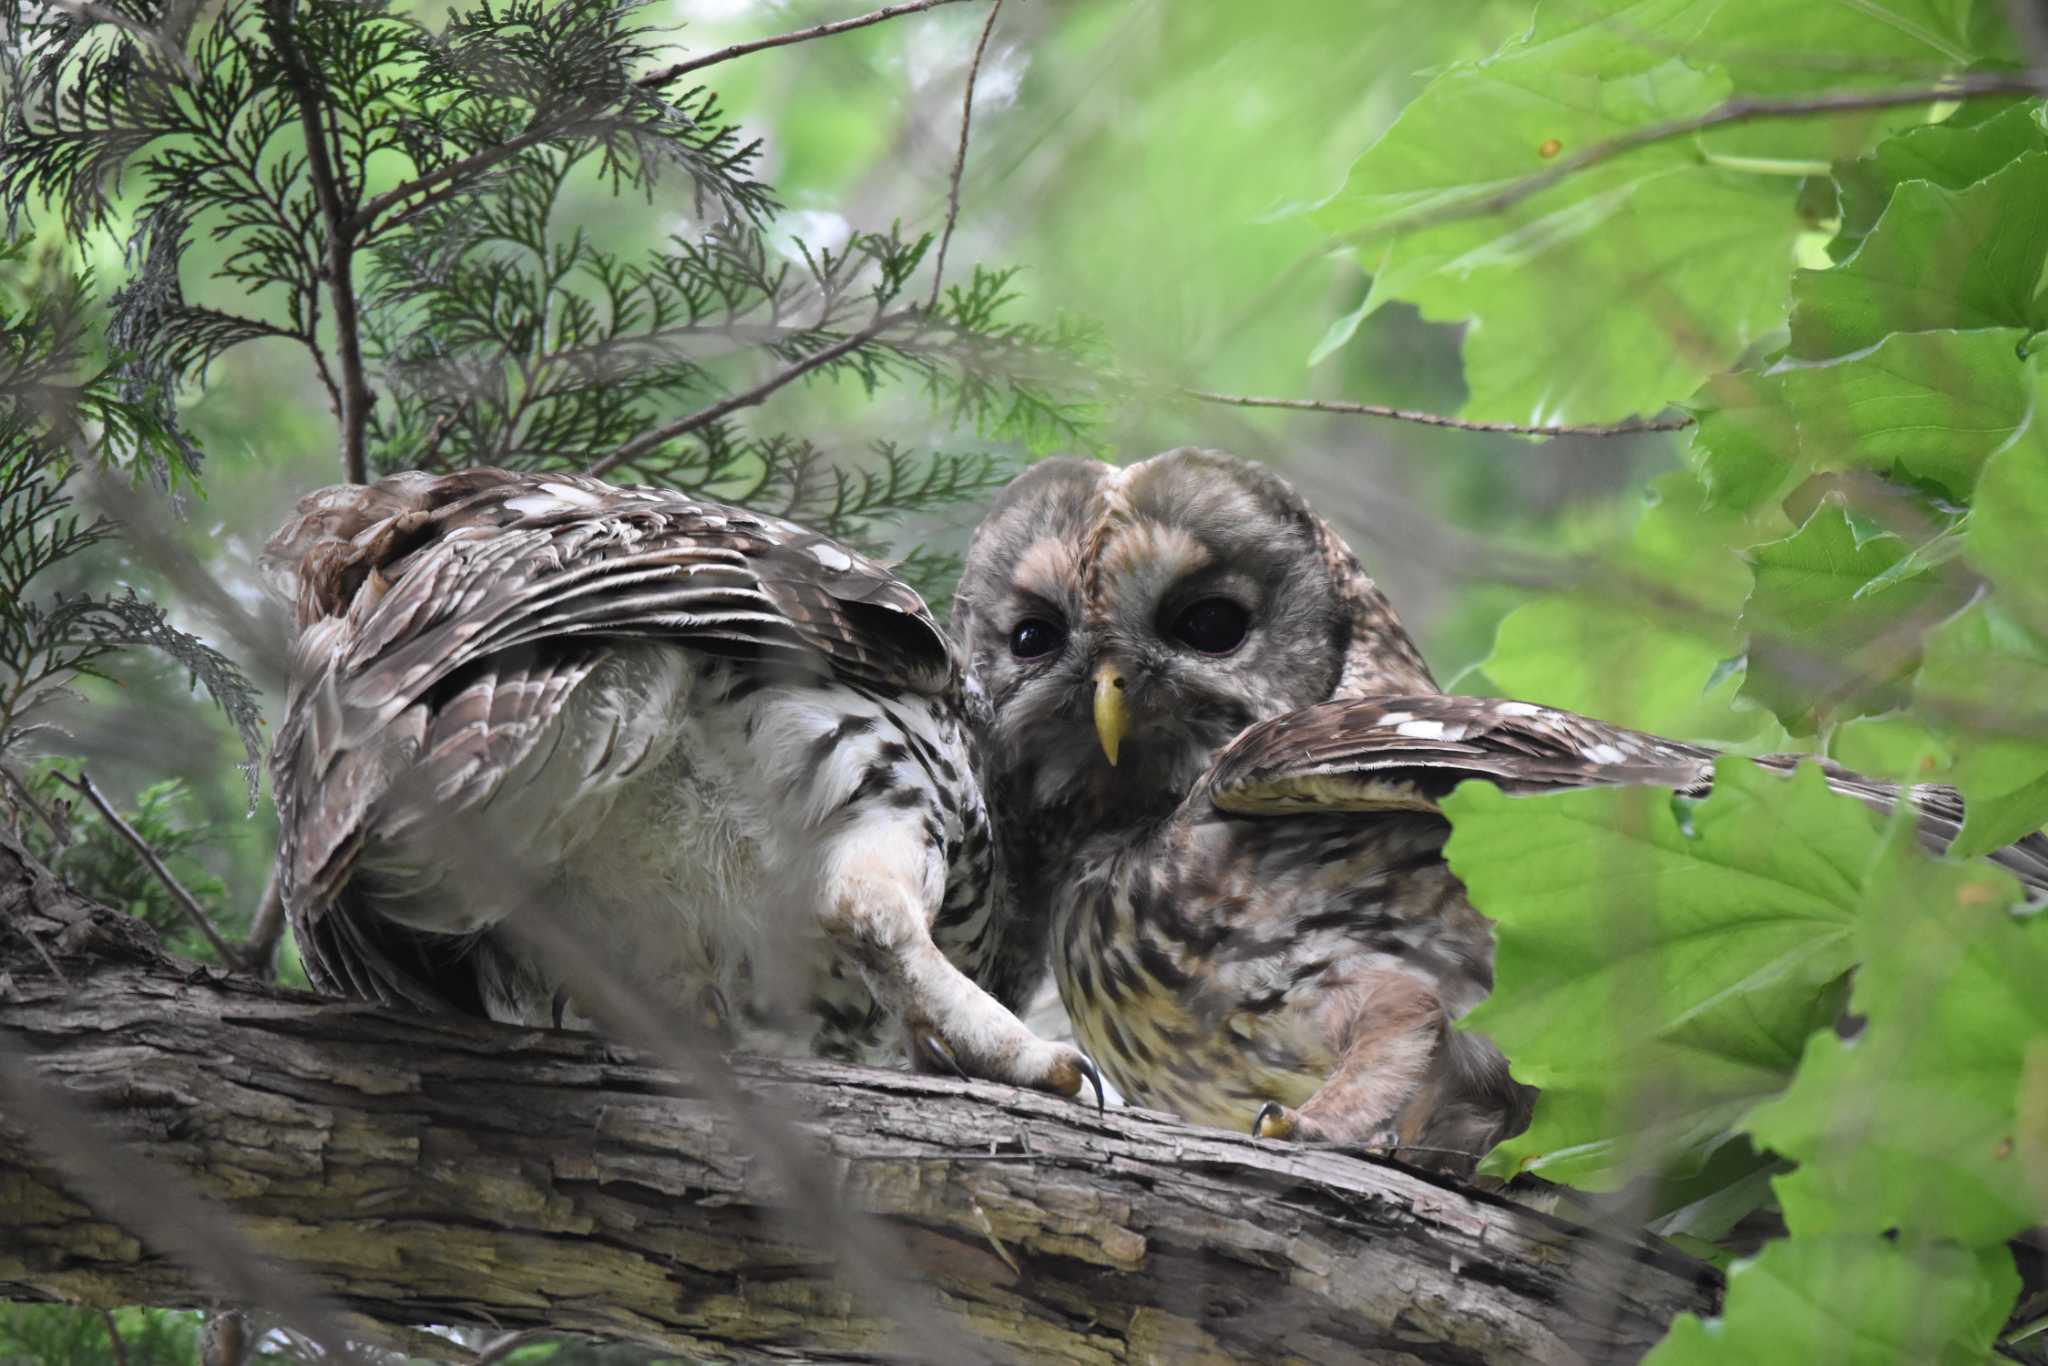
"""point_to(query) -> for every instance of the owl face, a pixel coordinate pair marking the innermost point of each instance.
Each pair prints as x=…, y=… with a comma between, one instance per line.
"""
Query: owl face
x=1125, y=624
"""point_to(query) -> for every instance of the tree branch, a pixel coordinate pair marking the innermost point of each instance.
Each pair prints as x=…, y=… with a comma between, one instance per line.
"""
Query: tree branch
x=960, y=155
x=266, y=927
x=726, y=54
x=443, y=1170
x=1743, y=109
x=341, y=223
x=1323, y=405
x=705, y=416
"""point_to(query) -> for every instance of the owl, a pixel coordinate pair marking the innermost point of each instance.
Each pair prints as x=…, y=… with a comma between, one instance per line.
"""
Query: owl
x=725, y=754
x=1215, y=759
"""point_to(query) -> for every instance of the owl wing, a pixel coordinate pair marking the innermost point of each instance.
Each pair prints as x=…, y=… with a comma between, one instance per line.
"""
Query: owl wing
x=446, y=621
x=1408, y=753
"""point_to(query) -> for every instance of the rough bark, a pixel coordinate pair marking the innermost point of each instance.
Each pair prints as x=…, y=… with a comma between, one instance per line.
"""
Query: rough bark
x=430, y=1170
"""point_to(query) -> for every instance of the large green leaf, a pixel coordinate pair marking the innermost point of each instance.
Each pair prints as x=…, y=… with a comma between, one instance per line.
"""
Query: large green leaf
x=1851, y=1301
x=1938, y=258
x=1656, y=979
x=1928, y=406
x=1746, y=446
x=1835, y=620
x=1622, y=286
x=1952, y=154
x=1648, y=639
x=1915, y=1123
x=1985, y=675
x=2009, y=517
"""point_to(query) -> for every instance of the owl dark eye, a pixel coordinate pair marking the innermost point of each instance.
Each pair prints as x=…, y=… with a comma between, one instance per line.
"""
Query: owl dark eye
x=1215, y=626
x=1034, y=638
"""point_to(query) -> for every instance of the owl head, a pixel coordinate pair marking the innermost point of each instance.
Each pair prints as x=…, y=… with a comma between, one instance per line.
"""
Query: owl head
x=1122, y=625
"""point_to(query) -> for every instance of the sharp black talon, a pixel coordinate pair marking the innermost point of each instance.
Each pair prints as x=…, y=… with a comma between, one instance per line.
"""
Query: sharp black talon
x=937, y=1048
x=1095, y=1080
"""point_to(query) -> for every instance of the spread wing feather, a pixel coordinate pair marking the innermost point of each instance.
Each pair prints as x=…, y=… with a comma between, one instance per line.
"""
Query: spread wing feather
x=446, y=621
x=1407, y=753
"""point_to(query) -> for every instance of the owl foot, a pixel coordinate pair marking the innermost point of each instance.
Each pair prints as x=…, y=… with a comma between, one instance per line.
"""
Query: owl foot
x=1275, y=1120
x=1055, y=1067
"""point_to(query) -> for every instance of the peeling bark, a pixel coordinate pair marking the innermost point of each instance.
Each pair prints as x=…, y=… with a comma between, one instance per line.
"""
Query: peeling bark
x=433, y=1170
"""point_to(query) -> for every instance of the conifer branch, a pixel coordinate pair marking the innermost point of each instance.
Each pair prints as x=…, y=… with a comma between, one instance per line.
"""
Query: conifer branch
x=1322, y=405
x=375, y=208
x=341, y=223
x=726, y=54
x=705, y=416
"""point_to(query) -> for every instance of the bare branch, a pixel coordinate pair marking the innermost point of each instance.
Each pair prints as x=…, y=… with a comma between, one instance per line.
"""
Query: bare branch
x=259, y=951
x=59, y=831
x=703, y=417
x=1321, y=405
x=84, y=786
x=1743, y=109
x=726, y=54
x=498, y=1348
x=341, y=230
x=960, y=155
x=114, y=1342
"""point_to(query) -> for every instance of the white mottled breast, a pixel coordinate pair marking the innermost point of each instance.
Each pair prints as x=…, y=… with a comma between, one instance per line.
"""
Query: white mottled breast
x=676, y=823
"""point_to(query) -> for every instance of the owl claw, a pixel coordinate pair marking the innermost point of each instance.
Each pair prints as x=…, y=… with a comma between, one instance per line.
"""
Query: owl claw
x=1274, y=1120
x=1088, y=1070
x=932, y=1048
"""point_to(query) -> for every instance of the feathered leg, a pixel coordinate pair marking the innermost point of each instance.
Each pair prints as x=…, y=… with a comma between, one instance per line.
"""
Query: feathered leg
x=883, y=880
x=1388, y=1027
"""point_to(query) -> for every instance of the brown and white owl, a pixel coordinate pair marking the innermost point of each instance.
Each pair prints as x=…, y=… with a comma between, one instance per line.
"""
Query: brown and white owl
x=1214, y=759
x=723, y=753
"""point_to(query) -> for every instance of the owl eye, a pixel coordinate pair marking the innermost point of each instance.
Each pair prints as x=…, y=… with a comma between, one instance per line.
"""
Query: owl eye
x=1034, y=638
x=1215, y=626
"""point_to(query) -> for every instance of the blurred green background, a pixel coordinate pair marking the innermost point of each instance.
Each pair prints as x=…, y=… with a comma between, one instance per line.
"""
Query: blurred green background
x=1148, y=166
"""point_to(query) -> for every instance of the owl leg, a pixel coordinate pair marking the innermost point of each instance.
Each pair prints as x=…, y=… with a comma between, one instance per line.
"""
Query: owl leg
x=882, y=887
x=1388, y=1027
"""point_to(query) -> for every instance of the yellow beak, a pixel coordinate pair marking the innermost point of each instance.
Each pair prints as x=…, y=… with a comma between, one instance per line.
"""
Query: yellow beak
x=1111, y=718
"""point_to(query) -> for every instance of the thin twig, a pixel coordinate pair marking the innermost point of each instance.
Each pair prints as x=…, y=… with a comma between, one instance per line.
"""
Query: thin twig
x=114, y=1342
x=703, y=417
x=42, y=951
x=960, y=155
x=1744, y=109
x=1322, y=405
x=497, y=1349
x=57, y=828
x=341, y=224
x=84, y=786
x=726, y=54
